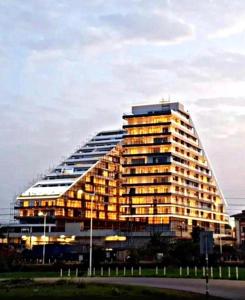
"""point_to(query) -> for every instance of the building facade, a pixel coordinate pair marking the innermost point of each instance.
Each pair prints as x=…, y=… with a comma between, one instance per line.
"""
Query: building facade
x=168, y=180
x=151, y=176
x=240, y=228
x=89, y=177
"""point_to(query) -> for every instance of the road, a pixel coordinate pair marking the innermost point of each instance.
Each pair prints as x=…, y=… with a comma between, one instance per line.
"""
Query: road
x=228, y=289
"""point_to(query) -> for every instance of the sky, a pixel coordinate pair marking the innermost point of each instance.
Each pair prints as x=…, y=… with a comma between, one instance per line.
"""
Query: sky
x=70, y=68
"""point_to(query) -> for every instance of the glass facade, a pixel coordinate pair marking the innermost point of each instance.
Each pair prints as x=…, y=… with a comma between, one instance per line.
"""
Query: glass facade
x=154, y=172
x=91, y=176
x=166, y=175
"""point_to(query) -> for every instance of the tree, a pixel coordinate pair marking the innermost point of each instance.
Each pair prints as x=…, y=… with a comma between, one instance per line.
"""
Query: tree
x=157, y=244
x=185, y=253
x=196, y=234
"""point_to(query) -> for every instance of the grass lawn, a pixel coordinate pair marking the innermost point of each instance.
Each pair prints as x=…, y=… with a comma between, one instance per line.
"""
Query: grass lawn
x=170, y=273
x=175, y=273
x=26, y=289
x=20, y=274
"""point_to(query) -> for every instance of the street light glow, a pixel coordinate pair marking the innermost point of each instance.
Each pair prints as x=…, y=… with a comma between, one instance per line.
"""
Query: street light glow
x=115, y=238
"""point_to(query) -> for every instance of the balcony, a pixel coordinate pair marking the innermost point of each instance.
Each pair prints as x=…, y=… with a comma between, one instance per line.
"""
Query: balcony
x=146, y=144
x=147, y=134
x=146, y=124
x=149, y=114
x=146, y=174
x=147, y=194
x=147, y=183
x=146, y=164
x=150, y=153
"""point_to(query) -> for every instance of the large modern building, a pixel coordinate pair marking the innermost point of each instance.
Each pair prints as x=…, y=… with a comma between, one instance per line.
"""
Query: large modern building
x=153, y=175
x=167, y=177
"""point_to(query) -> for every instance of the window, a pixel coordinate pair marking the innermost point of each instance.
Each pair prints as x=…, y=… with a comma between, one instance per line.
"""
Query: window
x=132, y=171
x=159, y=159
x=160, y=140
x=132, y=191
x=138, y=161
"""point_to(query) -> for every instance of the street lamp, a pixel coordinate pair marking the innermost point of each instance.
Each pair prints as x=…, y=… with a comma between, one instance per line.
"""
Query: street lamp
x=91, y=235
x=44, y=215
x=220, y=245
x=181, y=227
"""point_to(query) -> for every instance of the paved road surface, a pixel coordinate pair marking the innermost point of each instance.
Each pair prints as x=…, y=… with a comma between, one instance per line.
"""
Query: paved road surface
x=228, y=289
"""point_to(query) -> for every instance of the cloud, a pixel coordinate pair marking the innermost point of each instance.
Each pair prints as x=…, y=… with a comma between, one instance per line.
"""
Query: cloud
x=151, y=27
x=212, y=19
x=219, y=102
x=212, y=74
x=40, y=26
x=214, y=65
x=234, y=29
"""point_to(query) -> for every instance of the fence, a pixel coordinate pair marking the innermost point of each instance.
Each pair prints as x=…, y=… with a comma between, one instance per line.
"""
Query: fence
x=221, y=272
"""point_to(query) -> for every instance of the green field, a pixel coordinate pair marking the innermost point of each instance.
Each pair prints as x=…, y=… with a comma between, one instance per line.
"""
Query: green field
x=170, y=273
x=26, y=289
x=174, y=273
x=19, y=275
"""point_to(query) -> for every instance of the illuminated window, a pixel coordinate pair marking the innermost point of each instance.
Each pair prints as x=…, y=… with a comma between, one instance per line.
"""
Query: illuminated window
x=60, y=202
x=112, y=216
x=79, y=194
x=59, y=212
x=102, y=215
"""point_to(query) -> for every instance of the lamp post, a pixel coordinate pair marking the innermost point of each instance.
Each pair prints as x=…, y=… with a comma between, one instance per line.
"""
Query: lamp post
x=182, y=227
x=220, y=245
x=44, y=233
x=91, y=236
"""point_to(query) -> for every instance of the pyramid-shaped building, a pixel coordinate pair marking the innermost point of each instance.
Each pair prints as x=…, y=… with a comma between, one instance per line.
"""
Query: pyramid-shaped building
x=153, y=174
